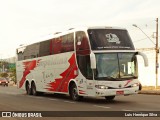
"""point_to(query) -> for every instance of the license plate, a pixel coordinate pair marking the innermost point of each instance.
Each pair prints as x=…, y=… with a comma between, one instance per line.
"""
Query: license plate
x=119, y=92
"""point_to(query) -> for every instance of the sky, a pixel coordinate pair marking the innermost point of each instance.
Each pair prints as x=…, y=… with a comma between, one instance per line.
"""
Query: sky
x=29, y=21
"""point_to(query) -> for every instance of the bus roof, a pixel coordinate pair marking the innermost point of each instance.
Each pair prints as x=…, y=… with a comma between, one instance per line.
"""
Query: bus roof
x=84, y=28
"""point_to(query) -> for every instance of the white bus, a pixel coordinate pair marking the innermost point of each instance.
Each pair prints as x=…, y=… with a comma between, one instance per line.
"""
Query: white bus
x=89, y=61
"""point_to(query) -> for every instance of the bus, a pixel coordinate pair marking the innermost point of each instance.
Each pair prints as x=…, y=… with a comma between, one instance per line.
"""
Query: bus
x=87, y=61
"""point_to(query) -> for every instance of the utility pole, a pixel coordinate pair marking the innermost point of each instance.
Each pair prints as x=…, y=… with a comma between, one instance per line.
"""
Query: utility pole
x=157, y=51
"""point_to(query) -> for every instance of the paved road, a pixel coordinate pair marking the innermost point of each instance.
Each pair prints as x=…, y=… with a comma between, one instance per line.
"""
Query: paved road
x=13, y=99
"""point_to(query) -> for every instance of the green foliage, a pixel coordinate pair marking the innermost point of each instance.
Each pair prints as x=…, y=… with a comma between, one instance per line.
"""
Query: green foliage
x=11, y=69
x=4, y=75
x=13, y=75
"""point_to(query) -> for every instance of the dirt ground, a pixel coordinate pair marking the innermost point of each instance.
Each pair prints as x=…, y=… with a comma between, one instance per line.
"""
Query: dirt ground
x=150, y=88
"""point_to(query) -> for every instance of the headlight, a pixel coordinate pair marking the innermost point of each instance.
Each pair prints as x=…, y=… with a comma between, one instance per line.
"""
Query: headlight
x=0, y=81
x=101, y=86
x=135, y=85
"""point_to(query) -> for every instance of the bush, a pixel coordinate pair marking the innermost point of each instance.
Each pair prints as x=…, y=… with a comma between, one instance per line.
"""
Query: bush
x=4, y=75
x=13, y=75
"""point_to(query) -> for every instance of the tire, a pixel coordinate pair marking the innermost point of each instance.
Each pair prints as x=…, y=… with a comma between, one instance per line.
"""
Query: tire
x=28, y=89
x=74, y=93
x=109, y=98
x=140, y=87
x=34, y=91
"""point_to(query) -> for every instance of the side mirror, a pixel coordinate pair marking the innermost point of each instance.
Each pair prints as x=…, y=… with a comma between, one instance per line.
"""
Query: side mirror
x=144, y=58
x=93, y=60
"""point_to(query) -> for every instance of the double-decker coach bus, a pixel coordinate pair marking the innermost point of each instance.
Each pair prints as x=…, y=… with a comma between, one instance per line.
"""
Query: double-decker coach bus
x=89, y=61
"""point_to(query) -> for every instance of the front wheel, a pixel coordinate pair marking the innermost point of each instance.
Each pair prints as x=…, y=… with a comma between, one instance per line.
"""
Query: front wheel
x=109, y=98
x=140, y=87
x=74, y=93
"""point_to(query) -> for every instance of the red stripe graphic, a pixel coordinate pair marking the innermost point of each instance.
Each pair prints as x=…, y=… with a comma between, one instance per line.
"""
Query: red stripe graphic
x=128, y=81
x=61, y=84
x=81, y=92
x=28, y=66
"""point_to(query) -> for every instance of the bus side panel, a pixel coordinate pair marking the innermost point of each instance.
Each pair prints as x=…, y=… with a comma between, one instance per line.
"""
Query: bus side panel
x=24, y=71
x=63, y=73
x=19, y=73
x=50, y=73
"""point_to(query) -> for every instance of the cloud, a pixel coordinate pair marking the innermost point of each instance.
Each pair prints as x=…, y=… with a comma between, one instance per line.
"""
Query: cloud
x=25, y=21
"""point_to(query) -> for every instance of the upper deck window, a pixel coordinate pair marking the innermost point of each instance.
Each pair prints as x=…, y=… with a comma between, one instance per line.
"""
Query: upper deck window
x=110, y=39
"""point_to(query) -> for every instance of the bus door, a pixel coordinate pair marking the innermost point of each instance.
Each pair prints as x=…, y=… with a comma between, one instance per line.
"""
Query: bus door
x=83, y=61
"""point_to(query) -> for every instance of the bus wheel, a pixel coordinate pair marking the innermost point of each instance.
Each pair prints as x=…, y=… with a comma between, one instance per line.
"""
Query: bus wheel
x=33, y=89
x=109, y=98
x=74, y=93
x=140, y=87
x=28, y=89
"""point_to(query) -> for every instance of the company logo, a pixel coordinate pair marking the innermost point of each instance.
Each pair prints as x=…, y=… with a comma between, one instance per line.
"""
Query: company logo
x=112, y=38
x=6, y=114
x=21, y=114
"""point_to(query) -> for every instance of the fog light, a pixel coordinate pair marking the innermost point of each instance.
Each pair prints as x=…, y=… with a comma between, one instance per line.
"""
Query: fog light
x=101, y=86
x=135, y=85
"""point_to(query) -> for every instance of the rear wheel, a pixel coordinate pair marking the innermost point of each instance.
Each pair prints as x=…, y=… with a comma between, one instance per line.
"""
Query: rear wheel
x=110, y=98
x=28, y=89
x=34, y=91
x=74, y=93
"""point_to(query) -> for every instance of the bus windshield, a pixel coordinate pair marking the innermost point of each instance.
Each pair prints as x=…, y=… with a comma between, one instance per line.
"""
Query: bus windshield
x=110, y=39
x=116, y=66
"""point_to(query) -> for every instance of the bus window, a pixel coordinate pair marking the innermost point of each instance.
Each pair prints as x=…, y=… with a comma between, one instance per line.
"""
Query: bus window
x=44, y=48
x=84, y=66
x=28, y=52
x=110, y=39
x=68, y=43
x=57, y=45
x=82, y=45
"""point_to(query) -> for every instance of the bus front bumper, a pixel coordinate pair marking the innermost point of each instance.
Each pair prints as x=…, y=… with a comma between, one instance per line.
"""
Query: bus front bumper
x=116, y=92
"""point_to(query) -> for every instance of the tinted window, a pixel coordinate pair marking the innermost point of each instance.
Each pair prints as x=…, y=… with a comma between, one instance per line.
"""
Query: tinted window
x=116, y=66
x=82, y=45
x=44, y=49
x=63, y=44
x=53, y=46
x=28, y=52
x=84, y=66
x=110, y=39
x=68, y=43
x=56, y=43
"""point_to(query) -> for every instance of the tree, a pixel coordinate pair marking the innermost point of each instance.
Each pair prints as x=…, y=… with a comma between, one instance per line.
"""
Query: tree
x=4, y=75
x=13, y=75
